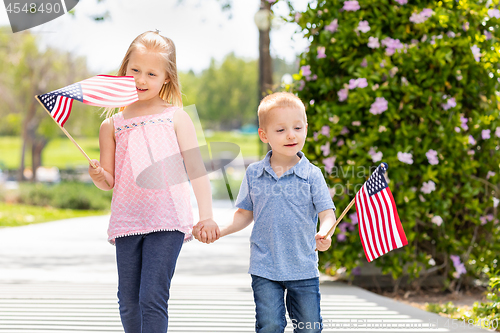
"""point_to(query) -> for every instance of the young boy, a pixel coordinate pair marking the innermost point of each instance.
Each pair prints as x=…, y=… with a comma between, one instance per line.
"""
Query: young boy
x=284, y=194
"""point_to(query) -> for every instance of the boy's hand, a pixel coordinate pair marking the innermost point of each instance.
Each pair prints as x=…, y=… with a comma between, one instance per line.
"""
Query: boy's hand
x=206, y=231
x=323, y=243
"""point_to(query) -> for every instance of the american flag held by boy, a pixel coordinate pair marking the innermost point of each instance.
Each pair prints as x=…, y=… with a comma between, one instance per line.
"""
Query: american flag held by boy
x=100, y=90
x=379, y=226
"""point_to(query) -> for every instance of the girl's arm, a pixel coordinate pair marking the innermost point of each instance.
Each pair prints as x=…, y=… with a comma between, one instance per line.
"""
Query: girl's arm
x=326, y=221
x=195, y=167
x=105, y=171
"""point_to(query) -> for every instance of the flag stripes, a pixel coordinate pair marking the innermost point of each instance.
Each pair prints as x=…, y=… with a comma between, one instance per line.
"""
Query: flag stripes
x=62, y=109
x=101, y=90
x=379, y=226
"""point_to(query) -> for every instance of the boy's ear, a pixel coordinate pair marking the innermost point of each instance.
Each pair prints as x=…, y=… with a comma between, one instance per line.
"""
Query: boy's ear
x=263, y=136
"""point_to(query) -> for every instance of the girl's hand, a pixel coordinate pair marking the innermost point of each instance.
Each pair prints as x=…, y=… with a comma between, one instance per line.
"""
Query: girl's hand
x=206, y=231
x=323, y=243
x=96, y=173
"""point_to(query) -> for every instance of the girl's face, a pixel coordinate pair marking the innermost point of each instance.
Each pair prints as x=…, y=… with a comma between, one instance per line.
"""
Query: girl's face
x=148, y=70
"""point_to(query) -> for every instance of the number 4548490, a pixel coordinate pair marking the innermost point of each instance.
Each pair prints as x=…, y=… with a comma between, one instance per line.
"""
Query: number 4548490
x=32, y=8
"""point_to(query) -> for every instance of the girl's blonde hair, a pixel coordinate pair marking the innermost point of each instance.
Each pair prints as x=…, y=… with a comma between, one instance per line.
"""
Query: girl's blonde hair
x=154, y=42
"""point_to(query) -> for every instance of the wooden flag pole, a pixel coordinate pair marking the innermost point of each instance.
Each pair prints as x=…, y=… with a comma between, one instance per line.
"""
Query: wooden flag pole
x=71, y=138
x=341, y=216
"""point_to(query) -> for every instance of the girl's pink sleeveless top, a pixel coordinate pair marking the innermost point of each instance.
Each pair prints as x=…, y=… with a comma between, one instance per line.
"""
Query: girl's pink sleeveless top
x=151, y=191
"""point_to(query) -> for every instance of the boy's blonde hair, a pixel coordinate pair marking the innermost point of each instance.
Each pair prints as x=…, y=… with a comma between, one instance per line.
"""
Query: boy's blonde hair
x=154, y=42
x=278, y=100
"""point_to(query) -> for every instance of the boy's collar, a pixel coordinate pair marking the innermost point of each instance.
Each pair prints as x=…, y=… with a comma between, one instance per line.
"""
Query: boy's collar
x=300, y=169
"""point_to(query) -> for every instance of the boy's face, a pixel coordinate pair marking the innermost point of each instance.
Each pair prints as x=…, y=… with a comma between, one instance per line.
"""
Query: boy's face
x=285, y=131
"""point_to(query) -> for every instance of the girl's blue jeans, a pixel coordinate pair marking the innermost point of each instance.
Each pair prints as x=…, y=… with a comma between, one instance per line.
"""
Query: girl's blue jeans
x=302, y=303
x=146, y=264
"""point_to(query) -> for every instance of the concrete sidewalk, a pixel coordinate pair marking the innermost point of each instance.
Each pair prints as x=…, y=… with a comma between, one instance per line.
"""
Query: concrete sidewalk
x=61, y=277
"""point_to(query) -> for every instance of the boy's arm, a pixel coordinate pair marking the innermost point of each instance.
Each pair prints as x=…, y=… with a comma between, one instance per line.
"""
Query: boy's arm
x=242, y=219
x=326, y=220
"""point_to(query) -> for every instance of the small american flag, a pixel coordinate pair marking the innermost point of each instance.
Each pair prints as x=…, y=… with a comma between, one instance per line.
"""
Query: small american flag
x=100, y=90
x=379, y=226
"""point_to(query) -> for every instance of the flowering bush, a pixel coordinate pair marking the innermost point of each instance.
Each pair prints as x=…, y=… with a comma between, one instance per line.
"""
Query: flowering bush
x=413, y=84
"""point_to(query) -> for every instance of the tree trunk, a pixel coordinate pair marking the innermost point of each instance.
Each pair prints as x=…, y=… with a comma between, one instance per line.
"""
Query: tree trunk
x=36, y=154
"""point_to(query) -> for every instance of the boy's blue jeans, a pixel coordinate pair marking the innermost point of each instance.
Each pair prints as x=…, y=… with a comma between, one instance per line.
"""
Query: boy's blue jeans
x=302, y=304
x=146, y=264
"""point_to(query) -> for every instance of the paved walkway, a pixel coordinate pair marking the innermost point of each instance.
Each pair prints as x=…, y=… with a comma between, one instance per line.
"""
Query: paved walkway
x=61, y=277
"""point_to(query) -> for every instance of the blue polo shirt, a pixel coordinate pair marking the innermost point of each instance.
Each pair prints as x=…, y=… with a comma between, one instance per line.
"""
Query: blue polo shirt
x=285, y=212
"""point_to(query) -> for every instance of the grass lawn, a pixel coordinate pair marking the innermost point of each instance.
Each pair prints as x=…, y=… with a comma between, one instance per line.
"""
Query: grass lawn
x=62, y=153
x=13, y=215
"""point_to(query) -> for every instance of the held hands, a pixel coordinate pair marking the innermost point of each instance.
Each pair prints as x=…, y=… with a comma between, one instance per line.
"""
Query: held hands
x=206, y=231
x=323, y=243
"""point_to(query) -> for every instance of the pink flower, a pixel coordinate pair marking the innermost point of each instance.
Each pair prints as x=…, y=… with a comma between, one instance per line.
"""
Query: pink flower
x=432, y=157
x=315, y=136
x=457, y=129
x=464, y=121
x=363, y=26
x=364, y=63
x=404, y=81
x=341, y=237
x=321, y=52
x=494, y=13
x=405, y=157
x=373, y=43
x=353, y=83
x=392, y=45
x=450, y=103
x=343, y=93
x=362, y=83
x=471, y=140
x=329, y=163
x=325, y=130
x=340, y=143
x=476, y=52
x=437, y=220
x=485, y=134
x=358, y=83
x=356, y=123
x=344, y=131
x=333, y=26
x=306, y=70
x=354, y=218
x=451, y=34
x=325, y=149
x=428, y=187
x=351, y=5
x=465, y=26
x=402, y=2
x=459, y=266
x=379, y=106
x=497, y=132
x=298, y=16
x=488, y=34
x=490, y=174
x=376, y=156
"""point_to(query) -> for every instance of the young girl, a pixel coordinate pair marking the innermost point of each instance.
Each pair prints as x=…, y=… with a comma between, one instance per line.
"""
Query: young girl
x=142, y=150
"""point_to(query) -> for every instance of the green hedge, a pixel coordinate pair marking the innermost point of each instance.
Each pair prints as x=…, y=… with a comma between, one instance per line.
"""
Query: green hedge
x=65, y=195
x=413, y=84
